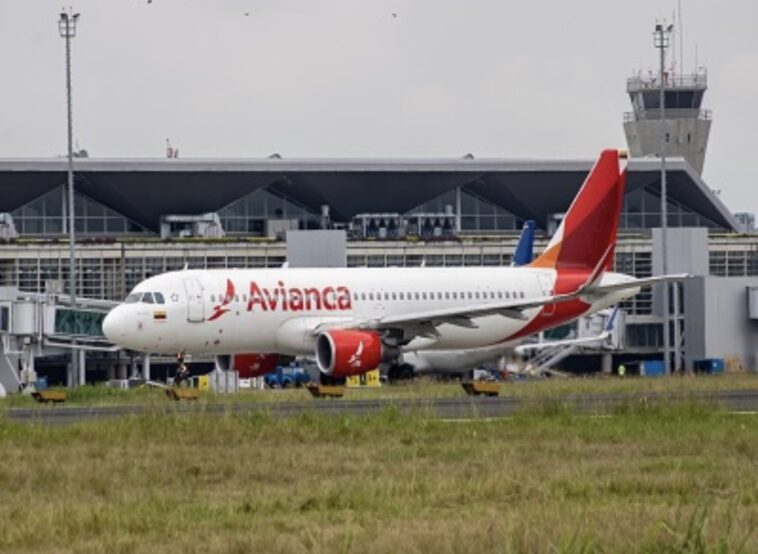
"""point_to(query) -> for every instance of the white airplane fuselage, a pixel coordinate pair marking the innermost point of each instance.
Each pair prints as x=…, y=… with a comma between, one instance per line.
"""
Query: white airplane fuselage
x=228, y=311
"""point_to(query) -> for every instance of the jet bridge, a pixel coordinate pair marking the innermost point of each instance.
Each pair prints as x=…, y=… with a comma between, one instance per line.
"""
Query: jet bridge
x=34, y=326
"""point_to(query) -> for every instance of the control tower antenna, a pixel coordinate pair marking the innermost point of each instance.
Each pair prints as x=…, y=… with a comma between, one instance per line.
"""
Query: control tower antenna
x=681, y=36
x=674, y=31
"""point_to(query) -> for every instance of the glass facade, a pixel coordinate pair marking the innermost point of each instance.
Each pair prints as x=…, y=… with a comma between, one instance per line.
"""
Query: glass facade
x=734, y=263
x=642, y=210
x=249, y=214
x=640, y=265
x=44, y=216
x=478, y=215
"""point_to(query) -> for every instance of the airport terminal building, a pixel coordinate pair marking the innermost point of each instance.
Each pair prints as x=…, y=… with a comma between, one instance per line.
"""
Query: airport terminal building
x=135, y=218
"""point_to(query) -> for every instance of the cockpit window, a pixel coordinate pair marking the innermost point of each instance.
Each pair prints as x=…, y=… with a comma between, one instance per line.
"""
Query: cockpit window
x=133, y=298
x=159, y=298
x=147, y=297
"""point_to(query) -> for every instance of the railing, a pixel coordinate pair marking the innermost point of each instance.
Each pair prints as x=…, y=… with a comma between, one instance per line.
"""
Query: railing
x=696, y=80
x=671, y=113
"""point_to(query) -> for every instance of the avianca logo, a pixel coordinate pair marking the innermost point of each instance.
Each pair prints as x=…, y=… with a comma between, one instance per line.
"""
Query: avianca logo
x=286, y=299
x=355, y=359
x=294, y=299
x=221, y=309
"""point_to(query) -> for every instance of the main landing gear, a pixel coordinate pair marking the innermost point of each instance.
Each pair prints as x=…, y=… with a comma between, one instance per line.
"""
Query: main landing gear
x=401, y=372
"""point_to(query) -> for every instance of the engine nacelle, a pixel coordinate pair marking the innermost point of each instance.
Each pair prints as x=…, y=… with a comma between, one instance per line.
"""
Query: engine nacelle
x=342, y=353
x=250, y=365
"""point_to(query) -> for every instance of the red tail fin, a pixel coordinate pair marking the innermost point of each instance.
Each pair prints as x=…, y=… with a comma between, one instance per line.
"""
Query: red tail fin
x=586, y=237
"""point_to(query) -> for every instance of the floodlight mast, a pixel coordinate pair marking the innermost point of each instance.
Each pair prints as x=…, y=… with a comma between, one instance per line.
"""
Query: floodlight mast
x=661, y=38
x=67, y=29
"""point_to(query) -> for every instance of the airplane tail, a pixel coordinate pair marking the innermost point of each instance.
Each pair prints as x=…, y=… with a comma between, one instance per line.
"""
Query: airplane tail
x=523, y=254
x=586, y=238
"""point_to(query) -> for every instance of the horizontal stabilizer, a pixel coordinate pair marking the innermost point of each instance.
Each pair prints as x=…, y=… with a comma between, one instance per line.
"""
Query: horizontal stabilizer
x=637, y=283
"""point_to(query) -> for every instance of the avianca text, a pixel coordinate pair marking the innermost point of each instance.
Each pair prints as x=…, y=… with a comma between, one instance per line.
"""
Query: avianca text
x=295, y=299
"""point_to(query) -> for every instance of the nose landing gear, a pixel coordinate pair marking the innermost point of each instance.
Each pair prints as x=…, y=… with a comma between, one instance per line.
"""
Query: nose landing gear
x=182, y=372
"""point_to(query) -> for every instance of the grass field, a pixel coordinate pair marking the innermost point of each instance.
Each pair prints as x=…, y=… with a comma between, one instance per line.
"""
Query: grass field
x=420, y=388
x=655, y=478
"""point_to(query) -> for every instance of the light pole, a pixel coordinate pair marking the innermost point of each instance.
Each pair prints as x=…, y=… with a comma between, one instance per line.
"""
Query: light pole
x=661, y=40
x=67, y=30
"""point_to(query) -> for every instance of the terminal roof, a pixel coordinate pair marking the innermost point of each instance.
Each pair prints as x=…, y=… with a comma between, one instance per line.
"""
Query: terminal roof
x=143, y=189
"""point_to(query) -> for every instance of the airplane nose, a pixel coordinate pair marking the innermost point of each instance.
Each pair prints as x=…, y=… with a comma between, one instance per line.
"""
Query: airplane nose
x=113, y=325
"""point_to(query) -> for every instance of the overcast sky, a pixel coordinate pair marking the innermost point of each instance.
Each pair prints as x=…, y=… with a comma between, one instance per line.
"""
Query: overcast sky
x=440, y=78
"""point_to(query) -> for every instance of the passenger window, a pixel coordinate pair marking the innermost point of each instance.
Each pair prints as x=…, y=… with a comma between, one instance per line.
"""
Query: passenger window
x=423, y=296
x=363, y=296
x=470, y=295
x=455, y=296
x=213, y=297
x=522, y=294
x=394, y=296
x=244, y=297
x=236, y=298
x=401, y=296
x=477, y=295
x=447, y=296
x=507, y=294
x=500, y=294
x=371, y=296
x=159, y=298
x=417, y=297
x=147, y=298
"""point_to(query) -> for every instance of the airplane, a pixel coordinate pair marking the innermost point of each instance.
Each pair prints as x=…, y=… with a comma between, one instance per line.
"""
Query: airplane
x=356, y=319
x=461, y=361
x=525, y=248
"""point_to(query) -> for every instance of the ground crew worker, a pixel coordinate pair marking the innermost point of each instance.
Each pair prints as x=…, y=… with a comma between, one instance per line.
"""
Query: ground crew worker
x=622, y=370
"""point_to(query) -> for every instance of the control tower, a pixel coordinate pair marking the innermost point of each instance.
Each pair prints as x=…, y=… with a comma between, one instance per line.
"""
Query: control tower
x=686, y=124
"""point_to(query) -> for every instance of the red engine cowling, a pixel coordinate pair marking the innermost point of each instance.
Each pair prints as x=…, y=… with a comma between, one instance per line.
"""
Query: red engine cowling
x=341, y=353
x=250, y=365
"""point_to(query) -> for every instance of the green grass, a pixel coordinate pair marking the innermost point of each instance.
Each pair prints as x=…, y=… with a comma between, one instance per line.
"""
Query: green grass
x=654, y=478
x=421, y=388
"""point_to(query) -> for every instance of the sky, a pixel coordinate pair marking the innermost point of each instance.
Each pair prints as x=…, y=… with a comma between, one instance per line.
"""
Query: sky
x=368, y=78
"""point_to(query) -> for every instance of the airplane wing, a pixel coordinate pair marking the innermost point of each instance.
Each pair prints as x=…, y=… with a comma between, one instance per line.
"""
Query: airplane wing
x=424, y=323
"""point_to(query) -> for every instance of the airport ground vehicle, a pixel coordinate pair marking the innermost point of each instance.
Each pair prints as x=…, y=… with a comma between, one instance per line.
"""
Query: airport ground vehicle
x=287, y=377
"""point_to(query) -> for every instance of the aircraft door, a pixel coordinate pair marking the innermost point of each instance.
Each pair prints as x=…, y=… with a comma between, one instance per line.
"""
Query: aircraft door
x=195, y=306
x=546, y=285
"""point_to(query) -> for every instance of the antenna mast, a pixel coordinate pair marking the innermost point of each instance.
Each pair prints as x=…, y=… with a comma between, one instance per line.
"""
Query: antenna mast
x=681, y=38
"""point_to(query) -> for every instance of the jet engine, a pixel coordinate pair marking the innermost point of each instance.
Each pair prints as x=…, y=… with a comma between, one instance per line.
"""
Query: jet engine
x=342, y=353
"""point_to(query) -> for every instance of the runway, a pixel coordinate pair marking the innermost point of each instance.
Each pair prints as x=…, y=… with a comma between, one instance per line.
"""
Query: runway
x=462, y=407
